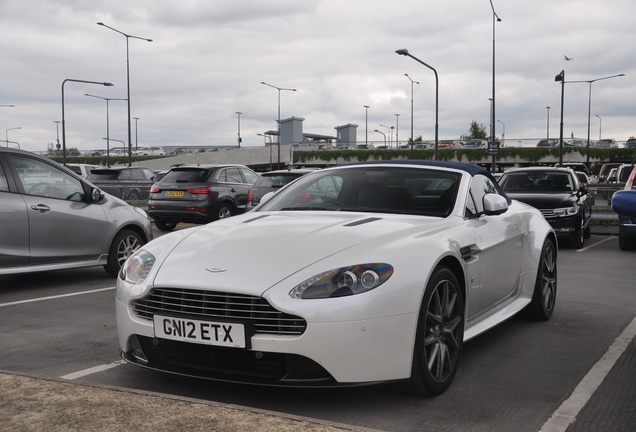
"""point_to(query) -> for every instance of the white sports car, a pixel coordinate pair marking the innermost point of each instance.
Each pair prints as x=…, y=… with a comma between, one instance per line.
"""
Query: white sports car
x=352, y=274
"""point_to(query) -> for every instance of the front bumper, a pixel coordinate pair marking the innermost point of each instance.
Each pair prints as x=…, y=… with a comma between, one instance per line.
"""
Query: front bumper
x=326, y=354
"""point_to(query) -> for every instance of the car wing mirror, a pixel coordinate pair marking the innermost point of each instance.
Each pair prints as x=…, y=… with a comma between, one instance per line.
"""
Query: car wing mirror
x=96, y=195
x=624, y=202
x=494, y=204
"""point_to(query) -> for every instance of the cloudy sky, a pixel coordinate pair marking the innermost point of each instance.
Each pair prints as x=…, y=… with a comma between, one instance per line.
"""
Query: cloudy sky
x=207, y=60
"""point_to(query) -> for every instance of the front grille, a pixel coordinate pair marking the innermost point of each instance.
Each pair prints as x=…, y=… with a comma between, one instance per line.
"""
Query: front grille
x=548, y=213
x=207, y=305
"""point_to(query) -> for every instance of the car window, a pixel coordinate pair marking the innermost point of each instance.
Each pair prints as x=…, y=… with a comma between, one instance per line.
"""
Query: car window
x=539, y=181
x=230, y=175
x=4, y=185
x=250, y=177
x=41, y=179
x=186, y=175
x=479, y=187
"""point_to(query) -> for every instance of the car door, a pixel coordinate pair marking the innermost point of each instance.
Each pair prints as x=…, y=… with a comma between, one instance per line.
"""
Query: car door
x=235, y=185
x=496, y=244
x=14, y=224
x=62, y=225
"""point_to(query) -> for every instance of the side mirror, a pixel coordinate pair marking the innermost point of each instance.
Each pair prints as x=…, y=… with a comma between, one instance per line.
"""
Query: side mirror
x=495, y=204
x=96, y=195
x=624, y=202
x=583, y=189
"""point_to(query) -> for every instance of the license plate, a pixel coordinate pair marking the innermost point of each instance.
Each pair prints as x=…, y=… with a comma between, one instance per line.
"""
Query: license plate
x=174, y=193
x=200, y=332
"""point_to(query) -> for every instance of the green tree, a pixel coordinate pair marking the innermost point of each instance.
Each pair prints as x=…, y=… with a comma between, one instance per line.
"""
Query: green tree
x=476, y=131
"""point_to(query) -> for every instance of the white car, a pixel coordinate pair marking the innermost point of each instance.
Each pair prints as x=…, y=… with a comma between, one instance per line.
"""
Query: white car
x=349, y=275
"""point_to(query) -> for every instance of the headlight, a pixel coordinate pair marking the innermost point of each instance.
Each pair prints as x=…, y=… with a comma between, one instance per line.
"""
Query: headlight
x=137, y=266
x=343, y=281
x=567, y=211
x=141, y=212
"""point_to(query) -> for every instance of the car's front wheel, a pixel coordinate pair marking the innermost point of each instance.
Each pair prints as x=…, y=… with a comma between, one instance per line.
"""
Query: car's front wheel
x=545, y=287
x=626, y=243
x=439, y=337
x=124, y=245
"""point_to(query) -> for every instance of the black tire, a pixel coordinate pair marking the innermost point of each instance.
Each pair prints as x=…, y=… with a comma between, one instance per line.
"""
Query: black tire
x=588, y=230
x=579, y=240
x=125, y=243
x=626, y=243
x=225, y=211
x=133, y=196
x=439, y=337
x=164, y=225
x=545, y=288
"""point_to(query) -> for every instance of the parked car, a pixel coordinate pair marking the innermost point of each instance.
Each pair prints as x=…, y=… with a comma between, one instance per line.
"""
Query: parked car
x=476, y=143
x=623, y=172
x=604, y=173
x=630, y=143
x=82, y=169
x=272, y=181
x=624, y=203
x=606, y=143
x=129, y=183
x=387, y=269
x=150, y=151
x=558, y=194
x=548, y=143
x=54, y=219
x=449, y=144
x=200, y=194
x=576, y=166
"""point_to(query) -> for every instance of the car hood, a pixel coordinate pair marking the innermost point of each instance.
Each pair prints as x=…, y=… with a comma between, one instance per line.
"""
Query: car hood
x=546, y=200
x=254, y=251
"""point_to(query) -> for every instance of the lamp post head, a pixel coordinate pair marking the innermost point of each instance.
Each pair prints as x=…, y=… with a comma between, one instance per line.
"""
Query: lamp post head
x=403, y=52
x=107, y=84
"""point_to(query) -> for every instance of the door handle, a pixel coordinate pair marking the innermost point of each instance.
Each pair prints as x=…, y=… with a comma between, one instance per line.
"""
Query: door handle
x=41, y=208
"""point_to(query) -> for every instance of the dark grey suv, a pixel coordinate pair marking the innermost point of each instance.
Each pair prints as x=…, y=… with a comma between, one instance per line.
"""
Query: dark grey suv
x=199, y=194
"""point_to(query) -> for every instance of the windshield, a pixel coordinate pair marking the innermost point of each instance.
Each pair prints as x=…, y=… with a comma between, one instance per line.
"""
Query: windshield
x=415, y=191
x=536, y=181
x=275, y=181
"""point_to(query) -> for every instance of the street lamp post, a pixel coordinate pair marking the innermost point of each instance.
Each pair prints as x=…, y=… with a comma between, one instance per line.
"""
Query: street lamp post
x=107, y=123
x=547, y=133
x=405, y=52
x=278, y=121
x=6, y=134
x=127, y=36
x=412, y=82
x=383, y=134
x=503, y=134
x=107, y=84
x=495, y=19
x=389, y=131
x=366, y=125
x=136, y=141
x=600, y=123
x=589, y=106
x=108, y=140
x=238, y=114
x=397, y=129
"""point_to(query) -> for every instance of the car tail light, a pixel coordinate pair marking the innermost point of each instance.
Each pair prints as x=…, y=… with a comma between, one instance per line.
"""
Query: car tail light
x=154, y=189
x=250, y=195
x=199, y=190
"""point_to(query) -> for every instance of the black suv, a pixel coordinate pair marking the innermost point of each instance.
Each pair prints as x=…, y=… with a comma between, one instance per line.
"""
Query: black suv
x=559, y=195
x=199, y=194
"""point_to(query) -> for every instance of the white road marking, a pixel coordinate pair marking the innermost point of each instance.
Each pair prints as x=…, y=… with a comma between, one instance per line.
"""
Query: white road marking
x=90, y=371
x=566, y=414
x=595, y=244
x=55, y=297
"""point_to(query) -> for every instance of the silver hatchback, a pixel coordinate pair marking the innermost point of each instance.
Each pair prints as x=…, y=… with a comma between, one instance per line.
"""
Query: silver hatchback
x=51, y=219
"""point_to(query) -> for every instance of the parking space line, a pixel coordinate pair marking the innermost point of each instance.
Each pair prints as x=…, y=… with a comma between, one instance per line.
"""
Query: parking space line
x=90, y=371
x=596, y=244
x=566, y=414
x=55, y=297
